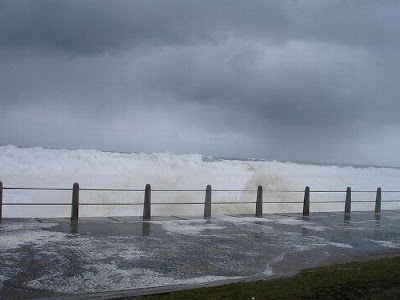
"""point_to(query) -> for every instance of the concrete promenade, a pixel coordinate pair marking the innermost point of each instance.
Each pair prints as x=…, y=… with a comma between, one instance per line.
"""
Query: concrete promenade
x=41, y=258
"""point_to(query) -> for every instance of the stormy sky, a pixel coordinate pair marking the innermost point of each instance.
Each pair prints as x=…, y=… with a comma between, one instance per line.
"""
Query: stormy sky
x=311, y=81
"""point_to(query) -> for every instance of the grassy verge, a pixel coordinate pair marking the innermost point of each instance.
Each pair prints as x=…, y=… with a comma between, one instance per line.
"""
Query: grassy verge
x=378, y=279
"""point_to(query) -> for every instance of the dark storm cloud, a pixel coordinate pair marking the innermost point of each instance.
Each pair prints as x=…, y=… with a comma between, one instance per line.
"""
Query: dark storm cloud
x=96, y=26
x=295, y=80
x=283, y=85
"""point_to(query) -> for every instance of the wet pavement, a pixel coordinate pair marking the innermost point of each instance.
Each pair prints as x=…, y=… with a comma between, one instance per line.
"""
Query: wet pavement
x=51, y=257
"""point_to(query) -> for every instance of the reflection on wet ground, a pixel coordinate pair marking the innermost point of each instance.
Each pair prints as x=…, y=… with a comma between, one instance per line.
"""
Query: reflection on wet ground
x=50, y=257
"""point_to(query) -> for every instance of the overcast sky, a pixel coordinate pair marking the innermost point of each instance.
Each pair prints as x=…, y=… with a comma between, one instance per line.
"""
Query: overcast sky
x=312, y=81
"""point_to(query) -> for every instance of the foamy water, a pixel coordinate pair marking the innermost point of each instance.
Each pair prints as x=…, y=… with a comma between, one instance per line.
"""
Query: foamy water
x=51, y=168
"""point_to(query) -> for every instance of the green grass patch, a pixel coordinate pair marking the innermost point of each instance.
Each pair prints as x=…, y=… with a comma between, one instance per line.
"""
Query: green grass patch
x=377, y=279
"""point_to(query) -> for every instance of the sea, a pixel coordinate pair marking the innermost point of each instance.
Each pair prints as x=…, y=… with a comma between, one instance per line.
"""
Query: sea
x=178, y=183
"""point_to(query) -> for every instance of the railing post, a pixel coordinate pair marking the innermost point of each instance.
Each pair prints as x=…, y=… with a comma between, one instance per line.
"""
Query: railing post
x=347, y=205
x=1, y=201
x=207, y=204
x=259, y=202
x=147, y=202
x=378, y=200
x=75, y=202
x=306, y=204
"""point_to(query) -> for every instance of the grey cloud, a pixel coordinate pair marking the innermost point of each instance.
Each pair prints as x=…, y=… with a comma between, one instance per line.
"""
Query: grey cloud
x=89, y=27
x=296, y=93
x=290, y=80
x=84, y=27
x=323, y=92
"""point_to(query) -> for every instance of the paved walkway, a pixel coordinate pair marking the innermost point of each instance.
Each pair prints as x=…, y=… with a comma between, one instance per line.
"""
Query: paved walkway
x=50, y=257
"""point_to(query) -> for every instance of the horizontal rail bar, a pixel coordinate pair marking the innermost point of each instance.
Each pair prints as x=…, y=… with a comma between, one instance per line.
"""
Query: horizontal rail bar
x=196, y=203
x=189, y=190
x=37, y=189
x=366, y=201
x=283, y=202
x=22, y=204
x=101, y=204
x=178, y=190
x=322, y=191
x=327, y=202
x=175, y=203
x=113, y=190
x=234, y=202
x=282, y=191
x=235, y=191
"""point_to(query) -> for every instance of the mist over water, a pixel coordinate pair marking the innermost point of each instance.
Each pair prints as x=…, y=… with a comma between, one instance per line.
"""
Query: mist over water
x=58, y=168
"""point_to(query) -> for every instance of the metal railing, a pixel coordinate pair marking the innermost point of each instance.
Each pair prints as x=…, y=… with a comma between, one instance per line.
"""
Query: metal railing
x=147, y=204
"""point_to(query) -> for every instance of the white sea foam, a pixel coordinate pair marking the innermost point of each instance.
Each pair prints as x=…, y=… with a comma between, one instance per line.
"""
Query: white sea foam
x=108, y=277
x=317, y=241
x=289, y=221
x=194, y=227
x=38, y=167
x=388, y=244
x=25, y=226
x=340, y=245
x=14, y=236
